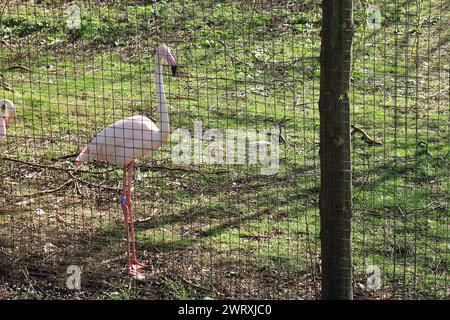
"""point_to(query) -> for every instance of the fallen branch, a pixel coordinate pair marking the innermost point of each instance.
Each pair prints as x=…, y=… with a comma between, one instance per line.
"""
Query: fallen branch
x=365, y=136
x=43, y=166
x=180, y=97
x=70, y=170
x=92, y=184
x=144, y=219
x=67, y=156
x=158, y=167
x=5, y=84
x=40, y=193
x=18, y=67
x=254, y=237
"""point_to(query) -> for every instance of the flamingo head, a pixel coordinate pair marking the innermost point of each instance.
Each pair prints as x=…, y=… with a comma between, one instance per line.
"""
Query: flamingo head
x=164, y=52
x=9, y=111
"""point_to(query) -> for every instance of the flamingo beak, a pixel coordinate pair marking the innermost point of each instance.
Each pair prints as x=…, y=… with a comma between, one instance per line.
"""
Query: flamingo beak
x=7, y=121
x=174, y=70
x=77, y=165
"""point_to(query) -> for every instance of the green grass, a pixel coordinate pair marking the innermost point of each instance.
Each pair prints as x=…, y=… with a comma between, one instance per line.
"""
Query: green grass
x=244, y=66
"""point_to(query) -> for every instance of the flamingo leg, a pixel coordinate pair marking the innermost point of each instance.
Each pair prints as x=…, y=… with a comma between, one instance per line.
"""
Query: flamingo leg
x=123, y=204
x=133, y=264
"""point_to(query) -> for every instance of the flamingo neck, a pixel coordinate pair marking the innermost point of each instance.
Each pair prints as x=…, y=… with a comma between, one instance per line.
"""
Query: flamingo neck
x=2, y=127
x=164, y=126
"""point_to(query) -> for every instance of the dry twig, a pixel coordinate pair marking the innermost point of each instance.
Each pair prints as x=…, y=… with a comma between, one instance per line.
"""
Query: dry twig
x=92, y=184
x=40, y=193
x=365, y=136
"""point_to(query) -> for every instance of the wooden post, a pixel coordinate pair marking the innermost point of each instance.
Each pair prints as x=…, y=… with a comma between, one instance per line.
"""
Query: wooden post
x=335, y=149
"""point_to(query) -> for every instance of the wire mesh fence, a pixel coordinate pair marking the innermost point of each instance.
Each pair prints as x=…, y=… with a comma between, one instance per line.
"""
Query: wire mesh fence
x=228, y=207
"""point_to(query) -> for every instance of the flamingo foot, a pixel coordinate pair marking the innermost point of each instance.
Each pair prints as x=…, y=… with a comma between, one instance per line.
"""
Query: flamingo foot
x=133, y=269
x=138, y=264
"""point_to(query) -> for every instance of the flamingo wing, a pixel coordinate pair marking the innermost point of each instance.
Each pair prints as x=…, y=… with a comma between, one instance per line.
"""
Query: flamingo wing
x=122, y=142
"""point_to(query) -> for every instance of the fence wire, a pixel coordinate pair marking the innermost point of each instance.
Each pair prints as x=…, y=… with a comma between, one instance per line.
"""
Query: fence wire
x=206, y=226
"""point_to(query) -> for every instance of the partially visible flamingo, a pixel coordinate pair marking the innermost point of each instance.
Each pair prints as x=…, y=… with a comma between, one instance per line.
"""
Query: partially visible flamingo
x=10, y=112
x=128, y=139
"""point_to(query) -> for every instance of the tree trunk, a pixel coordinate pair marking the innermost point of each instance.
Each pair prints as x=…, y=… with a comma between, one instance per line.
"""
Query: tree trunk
x=335, y=159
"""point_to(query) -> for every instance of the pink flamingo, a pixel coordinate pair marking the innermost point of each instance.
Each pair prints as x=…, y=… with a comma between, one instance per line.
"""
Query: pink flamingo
x=10, y=112
x=128, y=139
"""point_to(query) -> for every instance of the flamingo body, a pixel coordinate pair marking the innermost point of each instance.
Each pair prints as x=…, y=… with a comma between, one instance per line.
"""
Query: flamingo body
x=124, y=141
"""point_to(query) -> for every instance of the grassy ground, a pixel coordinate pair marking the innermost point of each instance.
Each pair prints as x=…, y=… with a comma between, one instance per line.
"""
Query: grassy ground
x=222, y=231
